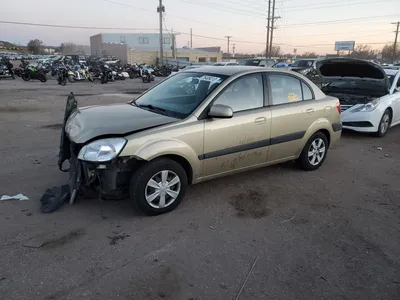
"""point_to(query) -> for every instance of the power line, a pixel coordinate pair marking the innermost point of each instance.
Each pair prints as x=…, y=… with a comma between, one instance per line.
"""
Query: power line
x=74, y=27
x=183, y=18
x=341, y=20
x=316, y=6
x=183, y=33
x=224, y=8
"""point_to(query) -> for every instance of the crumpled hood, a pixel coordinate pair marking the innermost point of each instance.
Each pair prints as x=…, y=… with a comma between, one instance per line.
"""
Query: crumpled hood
x=350, y=68
x=89, y=122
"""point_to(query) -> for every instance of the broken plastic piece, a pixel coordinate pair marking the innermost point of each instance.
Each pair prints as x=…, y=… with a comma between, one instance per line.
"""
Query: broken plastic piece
x=16, y=197
x=54, y=198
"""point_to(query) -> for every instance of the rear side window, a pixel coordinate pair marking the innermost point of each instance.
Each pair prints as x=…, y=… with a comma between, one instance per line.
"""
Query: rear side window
x=307, y=94
x=285, y=89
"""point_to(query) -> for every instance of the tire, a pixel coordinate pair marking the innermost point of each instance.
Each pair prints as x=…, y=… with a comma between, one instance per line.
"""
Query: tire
x=26, y=77
x=122, y=78
x=63, y=81
x=90, y=78
x=384, y=124
x=139, y=188
x=71, y=78
x=43, y=78
x=314, y=145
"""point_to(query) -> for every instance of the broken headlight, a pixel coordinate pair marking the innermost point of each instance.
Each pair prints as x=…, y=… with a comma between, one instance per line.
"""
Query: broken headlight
x=102, y=150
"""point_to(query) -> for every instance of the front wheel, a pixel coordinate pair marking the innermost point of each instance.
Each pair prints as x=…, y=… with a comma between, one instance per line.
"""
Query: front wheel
x=43, y=78
x=71, y=78
x=158, y=186
x=384, y=124
x=314, y=152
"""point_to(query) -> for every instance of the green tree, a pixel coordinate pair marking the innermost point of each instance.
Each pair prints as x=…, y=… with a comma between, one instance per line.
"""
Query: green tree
x=34, y=46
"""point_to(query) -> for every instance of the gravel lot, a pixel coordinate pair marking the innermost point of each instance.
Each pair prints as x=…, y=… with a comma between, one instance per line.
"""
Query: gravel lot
x=328, y=234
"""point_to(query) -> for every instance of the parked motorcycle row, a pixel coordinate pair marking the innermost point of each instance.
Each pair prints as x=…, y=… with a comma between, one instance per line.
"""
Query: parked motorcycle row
x=70, y=71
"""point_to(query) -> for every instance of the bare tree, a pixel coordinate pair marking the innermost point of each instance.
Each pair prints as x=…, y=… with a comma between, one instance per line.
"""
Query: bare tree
x=387, y=53
x=363, y=52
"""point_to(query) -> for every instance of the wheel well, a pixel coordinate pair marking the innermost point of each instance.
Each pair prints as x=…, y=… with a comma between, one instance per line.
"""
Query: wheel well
x=184, y=163
x=327, y=134
x=391, y=113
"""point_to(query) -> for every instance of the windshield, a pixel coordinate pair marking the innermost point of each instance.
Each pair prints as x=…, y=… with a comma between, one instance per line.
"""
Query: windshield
x=302, y=63
x=354, y=85
x=179, y=95
x=249, y=62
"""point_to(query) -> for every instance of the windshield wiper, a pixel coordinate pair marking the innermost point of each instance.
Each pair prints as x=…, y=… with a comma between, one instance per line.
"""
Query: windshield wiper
x=153, y=108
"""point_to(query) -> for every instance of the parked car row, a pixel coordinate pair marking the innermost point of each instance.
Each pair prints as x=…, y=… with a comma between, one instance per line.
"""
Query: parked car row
x=180, y=131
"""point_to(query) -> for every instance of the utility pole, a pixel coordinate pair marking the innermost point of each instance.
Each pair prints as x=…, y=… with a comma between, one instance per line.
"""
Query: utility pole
x=228, y=37
x=268, y=28
x=233, y=50
x=160, y=10
x=395, y=42
x=191, y=38
x=272, y=26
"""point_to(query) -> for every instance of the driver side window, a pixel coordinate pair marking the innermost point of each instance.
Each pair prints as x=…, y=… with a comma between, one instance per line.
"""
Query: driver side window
x=244, y=93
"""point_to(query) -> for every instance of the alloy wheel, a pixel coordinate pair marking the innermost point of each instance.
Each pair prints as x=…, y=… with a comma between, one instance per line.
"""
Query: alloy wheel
x=316, y=151
x=385, y=123
x=162, y=189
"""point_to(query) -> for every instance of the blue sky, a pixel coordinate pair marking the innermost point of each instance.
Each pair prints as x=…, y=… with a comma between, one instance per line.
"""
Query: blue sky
x=304, y=24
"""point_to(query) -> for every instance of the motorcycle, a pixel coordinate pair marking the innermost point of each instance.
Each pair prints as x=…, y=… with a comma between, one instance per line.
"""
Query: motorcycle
x=32, y=72
x=79, y=74
x=6, y=72
x=147, y=76
x=62, y=75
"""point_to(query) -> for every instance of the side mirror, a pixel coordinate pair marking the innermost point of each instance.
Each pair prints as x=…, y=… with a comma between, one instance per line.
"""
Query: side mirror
x=220, y=111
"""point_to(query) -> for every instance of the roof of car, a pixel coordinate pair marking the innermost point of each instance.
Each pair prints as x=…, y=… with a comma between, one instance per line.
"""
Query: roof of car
x=224, y=70
x=391, y=71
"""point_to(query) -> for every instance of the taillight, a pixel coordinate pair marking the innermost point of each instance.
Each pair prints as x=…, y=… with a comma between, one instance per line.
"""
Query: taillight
x=338, y=107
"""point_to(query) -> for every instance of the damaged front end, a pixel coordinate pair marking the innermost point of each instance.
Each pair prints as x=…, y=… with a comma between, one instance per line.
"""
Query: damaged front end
x=94, y=166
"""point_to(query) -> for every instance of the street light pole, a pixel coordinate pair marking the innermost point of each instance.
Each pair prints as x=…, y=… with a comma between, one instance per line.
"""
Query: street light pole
x=228, y=37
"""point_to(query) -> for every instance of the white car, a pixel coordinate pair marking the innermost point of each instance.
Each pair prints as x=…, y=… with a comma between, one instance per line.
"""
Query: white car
x=225, y=63
x=369, y=95
x=185, y=68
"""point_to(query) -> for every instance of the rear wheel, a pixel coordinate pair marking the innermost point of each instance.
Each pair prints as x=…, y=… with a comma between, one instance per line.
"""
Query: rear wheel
x=158, y=186
x=71, y=78
x=26, y=77
x=384, y=124
x=314, y=152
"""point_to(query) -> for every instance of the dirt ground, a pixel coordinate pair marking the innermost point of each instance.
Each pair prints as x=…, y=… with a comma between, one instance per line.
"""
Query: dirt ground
x=328, y=234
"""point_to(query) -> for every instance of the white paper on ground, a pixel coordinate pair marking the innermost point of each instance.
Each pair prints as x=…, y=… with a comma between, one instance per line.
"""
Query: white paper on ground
x=16, y=197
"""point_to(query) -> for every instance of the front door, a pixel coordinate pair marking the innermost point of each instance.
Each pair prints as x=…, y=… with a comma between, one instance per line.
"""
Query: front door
x=242, y=141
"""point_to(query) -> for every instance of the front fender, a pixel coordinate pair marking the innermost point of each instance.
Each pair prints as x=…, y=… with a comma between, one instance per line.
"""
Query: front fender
x=161, y=147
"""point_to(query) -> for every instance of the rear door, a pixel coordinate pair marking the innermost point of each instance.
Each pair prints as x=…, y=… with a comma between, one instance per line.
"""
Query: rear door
x=241, y=141
x=293, y=111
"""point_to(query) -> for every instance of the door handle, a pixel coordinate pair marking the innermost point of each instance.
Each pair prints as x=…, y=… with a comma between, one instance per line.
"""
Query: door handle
x=260, y=120
x=309, y=111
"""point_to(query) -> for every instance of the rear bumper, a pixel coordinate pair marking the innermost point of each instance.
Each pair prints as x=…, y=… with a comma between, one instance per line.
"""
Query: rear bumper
x=336, y=133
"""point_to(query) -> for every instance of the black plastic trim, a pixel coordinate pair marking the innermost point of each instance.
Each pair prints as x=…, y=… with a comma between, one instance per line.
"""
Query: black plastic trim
x=337, y=126
x=254, y=145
